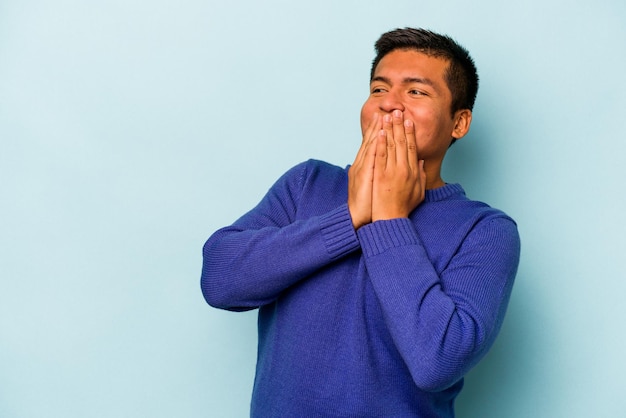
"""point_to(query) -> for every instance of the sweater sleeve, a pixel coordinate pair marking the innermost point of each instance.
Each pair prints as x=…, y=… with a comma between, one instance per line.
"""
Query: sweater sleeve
x=441, y=324
x=249, y=263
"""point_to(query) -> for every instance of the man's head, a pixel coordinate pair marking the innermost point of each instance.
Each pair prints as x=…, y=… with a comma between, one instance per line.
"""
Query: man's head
x=461, y=76
x=431, y=80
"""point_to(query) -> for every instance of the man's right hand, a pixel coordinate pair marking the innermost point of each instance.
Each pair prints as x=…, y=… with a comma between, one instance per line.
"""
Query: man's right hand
x=361, y=175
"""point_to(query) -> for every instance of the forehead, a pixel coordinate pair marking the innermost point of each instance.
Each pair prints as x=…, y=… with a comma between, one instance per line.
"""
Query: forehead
x=412, y=63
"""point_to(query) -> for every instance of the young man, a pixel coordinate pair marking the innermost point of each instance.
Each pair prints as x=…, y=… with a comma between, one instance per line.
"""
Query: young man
x=378, y=286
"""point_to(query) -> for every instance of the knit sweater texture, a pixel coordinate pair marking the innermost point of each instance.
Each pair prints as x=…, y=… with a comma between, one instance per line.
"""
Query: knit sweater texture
x=380, y=322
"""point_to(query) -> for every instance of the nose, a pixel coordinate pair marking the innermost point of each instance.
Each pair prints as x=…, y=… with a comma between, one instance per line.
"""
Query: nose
x=390, y=102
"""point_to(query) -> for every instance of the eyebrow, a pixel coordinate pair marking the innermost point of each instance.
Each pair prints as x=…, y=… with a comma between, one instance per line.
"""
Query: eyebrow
x=407, y=80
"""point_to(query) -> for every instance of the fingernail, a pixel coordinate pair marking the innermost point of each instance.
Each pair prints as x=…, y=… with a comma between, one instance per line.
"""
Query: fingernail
x=387, y=118
x=397, y=113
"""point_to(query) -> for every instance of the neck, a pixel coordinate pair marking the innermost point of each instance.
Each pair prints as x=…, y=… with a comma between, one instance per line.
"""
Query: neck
x=433, y=175
x=435, y=184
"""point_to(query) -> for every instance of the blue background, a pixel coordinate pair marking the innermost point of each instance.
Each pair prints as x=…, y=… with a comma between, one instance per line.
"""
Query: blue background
x=130, y=130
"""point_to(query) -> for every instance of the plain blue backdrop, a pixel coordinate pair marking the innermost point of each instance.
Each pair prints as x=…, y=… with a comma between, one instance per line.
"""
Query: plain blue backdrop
x=131, y=129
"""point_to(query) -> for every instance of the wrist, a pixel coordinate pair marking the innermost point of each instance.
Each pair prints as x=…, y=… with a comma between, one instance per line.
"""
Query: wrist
x=387, y=215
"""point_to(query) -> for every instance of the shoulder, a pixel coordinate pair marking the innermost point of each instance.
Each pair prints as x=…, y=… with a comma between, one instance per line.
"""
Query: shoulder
x=473, y=208
x=449, y=212
x=452, y=201
x=313, y=167
x=316, y=173
x=313, y=178
x=494, y=229
x=493, y=221
x=323, y=168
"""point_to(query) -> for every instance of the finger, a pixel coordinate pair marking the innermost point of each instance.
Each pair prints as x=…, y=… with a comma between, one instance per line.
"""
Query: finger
x=411, y=144
x=372, y=127
x=368, y=136
x=390, y=153
x=399, y=137
x=381, y=146
x=422, y=179
x=369, y=154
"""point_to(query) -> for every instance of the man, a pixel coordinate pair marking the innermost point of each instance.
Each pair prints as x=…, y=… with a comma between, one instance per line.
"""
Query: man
x=378, y=286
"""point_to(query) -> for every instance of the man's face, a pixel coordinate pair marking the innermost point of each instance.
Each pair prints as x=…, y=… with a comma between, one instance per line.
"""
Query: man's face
x=414, y=83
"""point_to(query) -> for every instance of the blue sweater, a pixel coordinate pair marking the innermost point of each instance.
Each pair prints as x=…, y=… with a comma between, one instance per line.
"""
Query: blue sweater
x=383, y=321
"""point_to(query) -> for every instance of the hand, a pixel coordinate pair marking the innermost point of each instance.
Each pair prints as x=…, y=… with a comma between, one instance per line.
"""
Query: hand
x=399, y=180
x=361, y=176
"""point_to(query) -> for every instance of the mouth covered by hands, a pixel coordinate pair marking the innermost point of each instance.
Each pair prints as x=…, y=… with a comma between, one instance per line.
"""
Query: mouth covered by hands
x=387, y=179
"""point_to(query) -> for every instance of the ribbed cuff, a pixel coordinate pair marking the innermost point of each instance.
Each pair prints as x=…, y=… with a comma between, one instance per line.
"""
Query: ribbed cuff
x=338, y=232
x=379, y=236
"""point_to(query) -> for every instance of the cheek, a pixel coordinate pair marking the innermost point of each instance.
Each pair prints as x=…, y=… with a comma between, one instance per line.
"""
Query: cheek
x=422, y=116
x=428, y=120
x=366, y=116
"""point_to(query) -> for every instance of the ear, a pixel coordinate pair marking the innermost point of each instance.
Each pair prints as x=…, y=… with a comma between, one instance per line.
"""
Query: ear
x=462, y=122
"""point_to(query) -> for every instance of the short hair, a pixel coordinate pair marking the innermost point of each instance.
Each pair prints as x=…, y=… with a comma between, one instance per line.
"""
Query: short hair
x=461, y=75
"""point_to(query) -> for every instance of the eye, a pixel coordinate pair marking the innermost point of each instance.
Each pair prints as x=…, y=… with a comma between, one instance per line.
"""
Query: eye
x=377, y=90
x=416, y=93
